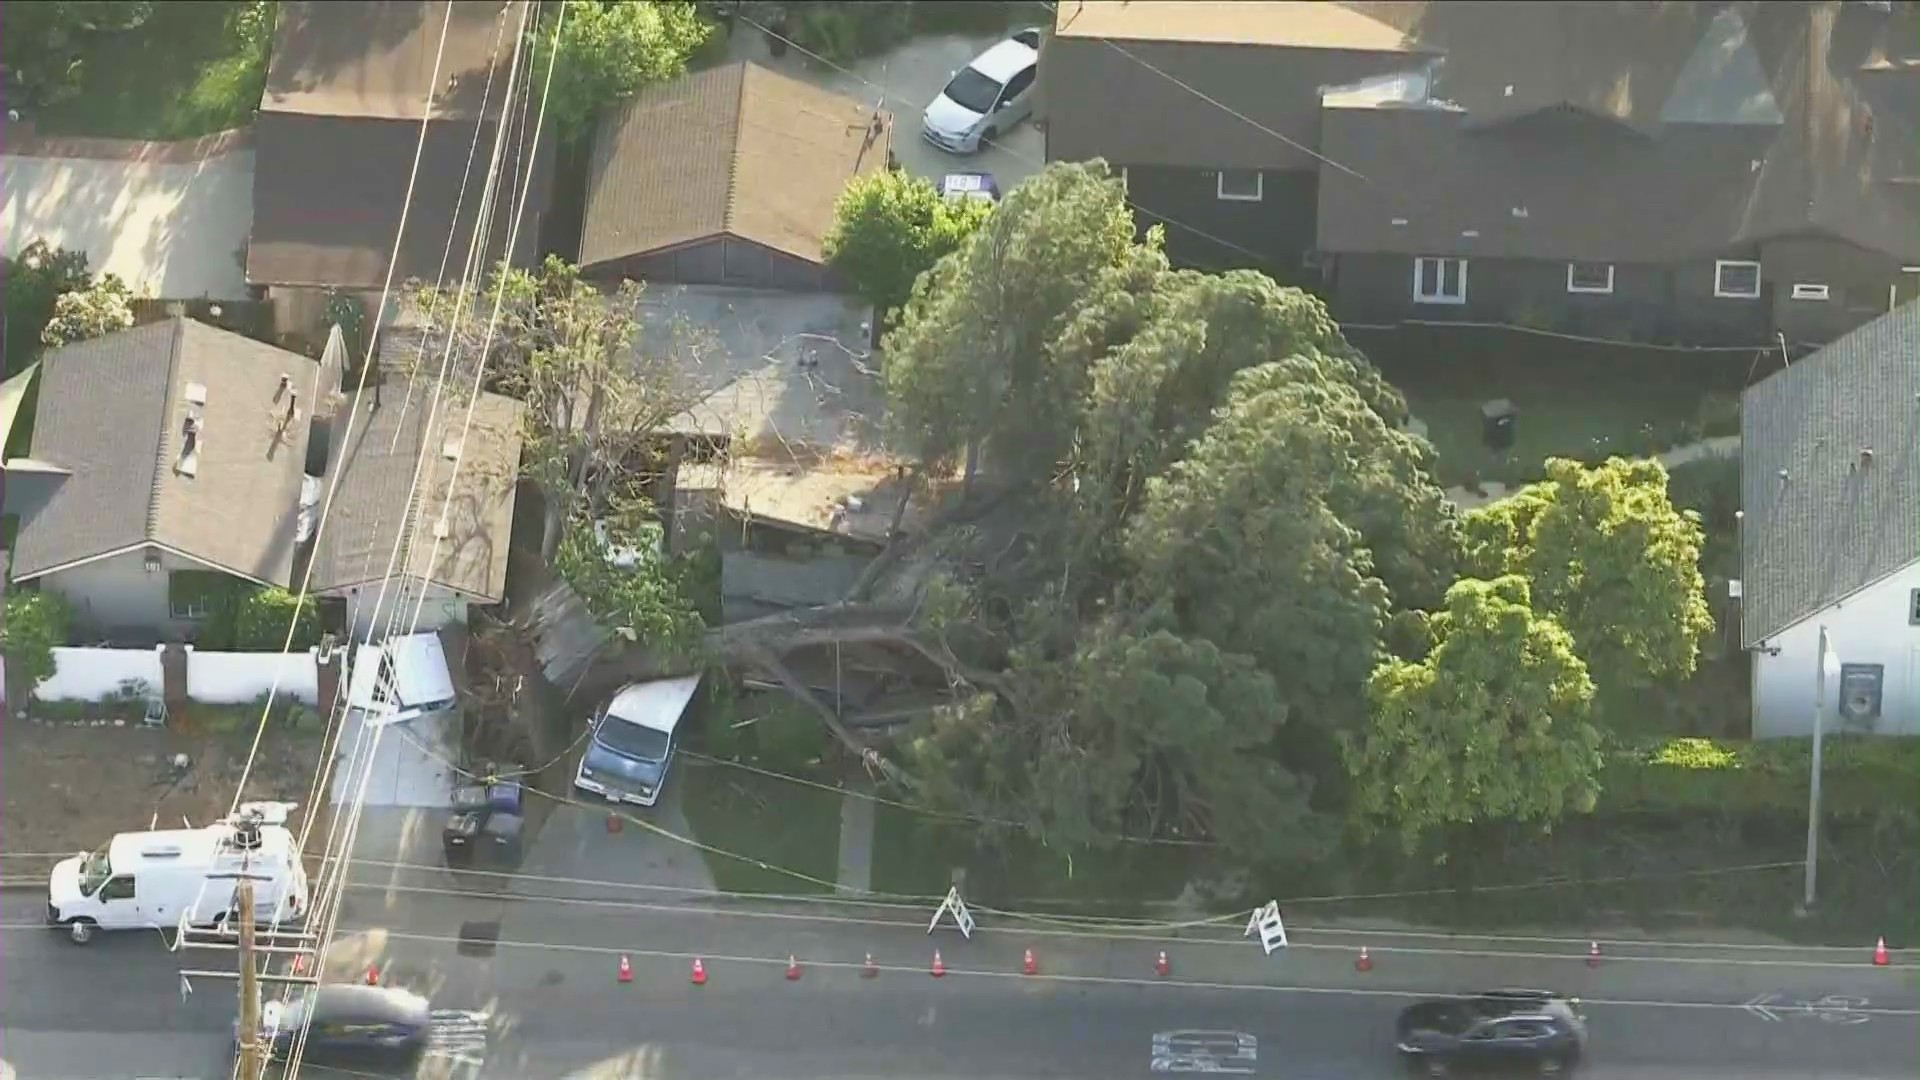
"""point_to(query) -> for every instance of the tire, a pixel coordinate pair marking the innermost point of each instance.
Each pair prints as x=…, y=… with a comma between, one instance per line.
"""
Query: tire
x=80, y=931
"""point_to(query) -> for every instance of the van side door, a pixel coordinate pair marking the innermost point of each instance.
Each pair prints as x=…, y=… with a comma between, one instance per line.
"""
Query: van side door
x=120, y=903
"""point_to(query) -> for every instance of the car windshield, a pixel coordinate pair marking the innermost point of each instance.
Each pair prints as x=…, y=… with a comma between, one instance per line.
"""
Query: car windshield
x=95, y=869
x=972, y=90
x=631, y=740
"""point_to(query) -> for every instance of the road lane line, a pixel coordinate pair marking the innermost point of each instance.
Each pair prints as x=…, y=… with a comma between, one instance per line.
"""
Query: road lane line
x=1084, y=980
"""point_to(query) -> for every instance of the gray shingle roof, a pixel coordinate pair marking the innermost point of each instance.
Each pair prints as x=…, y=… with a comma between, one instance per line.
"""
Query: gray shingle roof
x=1834, y=523
x=375, y=466
x=112, y=411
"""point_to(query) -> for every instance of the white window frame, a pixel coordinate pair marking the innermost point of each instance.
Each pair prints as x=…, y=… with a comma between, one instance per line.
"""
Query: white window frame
x=1439, y=278
x=1259, y=186
x=1811, y=290
x=1721, y=266
x=1606, y=289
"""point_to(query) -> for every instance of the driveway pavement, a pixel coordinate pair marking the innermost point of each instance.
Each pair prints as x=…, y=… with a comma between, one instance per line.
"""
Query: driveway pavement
x=171, y=219
x=904, y=80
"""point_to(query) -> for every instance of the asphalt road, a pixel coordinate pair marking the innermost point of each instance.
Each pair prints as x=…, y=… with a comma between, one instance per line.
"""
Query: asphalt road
x=112, y=1010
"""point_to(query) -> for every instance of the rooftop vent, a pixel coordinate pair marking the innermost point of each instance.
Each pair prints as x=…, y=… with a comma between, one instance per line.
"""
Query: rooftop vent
x=189, y=464
x=293, y=407
x=196, y=393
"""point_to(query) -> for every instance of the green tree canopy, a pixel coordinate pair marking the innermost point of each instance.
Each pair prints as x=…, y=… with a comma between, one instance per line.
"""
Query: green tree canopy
x=33, y=280
x=263, y=618
x=41, y=49
x=889, y=227
x=608, y=50
x=621, y=572
x=1491, y=726
x=1612, y=560
x=36, y=622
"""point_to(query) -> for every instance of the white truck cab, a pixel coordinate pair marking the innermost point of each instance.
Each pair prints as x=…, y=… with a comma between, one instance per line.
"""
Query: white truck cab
x=400, y=679
x=162, y=879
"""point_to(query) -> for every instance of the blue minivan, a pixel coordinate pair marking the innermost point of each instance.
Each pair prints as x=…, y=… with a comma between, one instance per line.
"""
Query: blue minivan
x=632, y=745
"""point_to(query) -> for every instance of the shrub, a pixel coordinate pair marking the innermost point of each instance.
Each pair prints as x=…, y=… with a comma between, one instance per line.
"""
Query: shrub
x=32, y=281
x=1863, y=777
x=35, y=622
x=261, y=619
x=90, y=312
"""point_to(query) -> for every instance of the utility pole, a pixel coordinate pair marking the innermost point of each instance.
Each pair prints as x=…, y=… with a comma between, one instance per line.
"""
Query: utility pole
x=250, y=1064
x=1813, y=785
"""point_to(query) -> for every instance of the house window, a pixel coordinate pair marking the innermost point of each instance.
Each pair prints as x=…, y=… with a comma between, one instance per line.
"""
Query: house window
x=1806, y=291
x=1587, y=277
x=1240, y=185
x=1439, y=280
x=1736, y=279
x=191, y=593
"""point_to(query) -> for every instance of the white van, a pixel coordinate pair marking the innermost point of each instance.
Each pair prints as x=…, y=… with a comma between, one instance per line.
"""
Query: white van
x=158, y=880
x=400, y=679
x=632, y=744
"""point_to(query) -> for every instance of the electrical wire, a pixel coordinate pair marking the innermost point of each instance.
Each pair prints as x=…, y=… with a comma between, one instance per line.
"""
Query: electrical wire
x=887, y=95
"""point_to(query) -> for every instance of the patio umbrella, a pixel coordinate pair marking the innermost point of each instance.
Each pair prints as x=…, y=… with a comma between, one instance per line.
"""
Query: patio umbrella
x=333, y=359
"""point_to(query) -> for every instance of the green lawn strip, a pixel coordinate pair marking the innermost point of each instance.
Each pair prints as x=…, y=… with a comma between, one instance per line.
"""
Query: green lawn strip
x=181, y=75
x=774, y=821
x=914, y=854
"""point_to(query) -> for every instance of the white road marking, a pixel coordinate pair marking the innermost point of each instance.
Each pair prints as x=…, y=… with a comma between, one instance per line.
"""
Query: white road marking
x=1229, y=1052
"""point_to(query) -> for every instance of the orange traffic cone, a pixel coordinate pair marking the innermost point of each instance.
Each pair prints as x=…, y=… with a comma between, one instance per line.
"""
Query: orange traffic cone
x=699, y=976
x=373, y=975
x=939, y=965
x=793, y=968
x=1160, y=965
x=1880, y=953
x=1363, y=962
x=869, y=969
x=625, y=973
x=1593, y=954
x=300, y=964
x=1028, y=965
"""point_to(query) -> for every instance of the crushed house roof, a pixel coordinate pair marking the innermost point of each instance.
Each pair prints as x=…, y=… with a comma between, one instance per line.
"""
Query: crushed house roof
x=375, y=471
x=339, y=126
x=1633, y=132
x=1830, y=474
x=738, y=151
x=113, y=413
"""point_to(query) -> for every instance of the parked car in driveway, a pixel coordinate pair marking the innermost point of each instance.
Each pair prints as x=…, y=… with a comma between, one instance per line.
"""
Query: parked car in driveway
x=988, y=97
x=633, y=741
x=1495, y=1033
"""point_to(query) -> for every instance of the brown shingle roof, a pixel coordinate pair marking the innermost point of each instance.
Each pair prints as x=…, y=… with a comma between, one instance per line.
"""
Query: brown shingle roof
x=375, y=58
x=1751, y=127
x=112, y=412
x=328, y=191
x=737, y=150
x=1266, y=60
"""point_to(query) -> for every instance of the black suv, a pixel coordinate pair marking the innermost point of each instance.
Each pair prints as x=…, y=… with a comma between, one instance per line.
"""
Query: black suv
x=1500, y=1032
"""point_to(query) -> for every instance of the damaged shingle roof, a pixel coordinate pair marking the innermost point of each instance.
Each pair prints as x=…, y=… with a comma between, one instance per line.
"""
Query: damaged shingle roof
x=1830, y=474
x=112, y=413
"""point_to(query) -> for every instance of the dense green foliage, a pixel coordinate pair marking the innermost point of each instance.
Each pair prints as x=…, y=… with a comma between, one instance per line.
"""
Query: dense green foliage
x=626, y=580
x=35, y=623
x=1610, y=557
x=1491, y=726
x=43, y=46
x=1865, y=776
x=890, y=227
x=263, y=618
x=33, y=281
x=609, y=50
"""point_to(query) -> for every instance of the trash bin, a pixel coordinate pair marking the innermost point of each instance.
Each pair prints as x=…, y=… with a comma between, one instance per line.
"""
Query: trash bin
x=505, y=797
x=470, y=797
x=1498, y=419
x=458, y=839
x=502, y=839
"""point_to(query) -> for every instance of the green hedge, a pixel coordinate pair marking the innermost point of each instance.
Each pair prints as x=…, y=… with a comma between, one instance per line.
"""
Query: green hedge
x=1863, y=776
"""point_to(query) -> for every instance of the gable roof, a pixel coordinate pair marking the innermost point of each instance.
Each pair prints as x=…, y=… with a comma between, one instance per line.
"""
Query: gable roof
x=374, y=59
x=1118, y=77
x=112, y=412
x=1819, y=523
x=738, y=150
x=1631, y=132
x=339, y=126
x=375, y=468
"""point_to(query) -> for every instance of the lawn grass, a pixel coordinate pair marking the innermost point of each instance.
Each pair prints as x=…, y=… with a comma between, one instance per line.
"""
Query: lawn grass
x=783, y=824
x=915, y=855
x=183, y=74
x=1582, y=401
